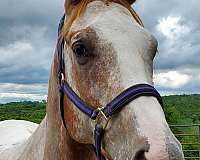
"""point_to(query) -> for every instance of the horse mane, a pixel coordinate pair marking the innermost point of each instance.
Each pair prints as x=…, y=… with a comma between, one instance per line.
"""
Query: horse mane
x=78, y=9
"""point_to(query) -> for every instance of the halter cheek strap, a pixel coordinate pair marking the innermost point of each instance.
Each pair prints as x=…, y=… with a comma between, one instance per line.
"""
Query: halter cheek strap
x=100, y=115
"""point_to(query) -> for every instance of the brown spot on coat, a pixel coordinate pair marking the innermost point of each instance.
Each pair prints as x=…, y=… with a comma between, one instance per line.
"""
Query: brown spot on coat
x=93, y=80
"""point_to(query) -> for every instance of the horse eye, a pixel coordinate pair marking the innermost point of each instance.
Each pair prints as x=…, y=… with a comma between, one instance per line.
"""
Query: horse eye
x=79, y=49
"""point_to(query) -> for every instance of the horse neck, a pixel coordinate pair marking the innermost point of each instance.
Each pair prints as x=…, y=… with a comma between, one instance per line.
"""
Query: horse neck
x=59, y=144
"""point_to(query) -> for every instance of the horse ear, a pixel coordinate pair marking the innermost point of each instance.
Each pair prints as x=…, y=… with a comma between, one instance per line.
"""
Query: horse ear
x=69, y=4
x=131, y=1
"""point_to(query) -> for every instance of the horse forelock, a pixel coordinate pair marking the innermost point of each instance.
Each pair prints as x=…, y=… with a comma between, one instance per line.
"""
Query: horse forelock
x=78, y=9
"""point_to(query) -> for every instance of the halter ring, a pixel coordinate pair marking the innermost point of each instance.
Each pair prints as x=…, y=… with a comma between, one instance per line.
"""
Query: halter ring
x=102, y=118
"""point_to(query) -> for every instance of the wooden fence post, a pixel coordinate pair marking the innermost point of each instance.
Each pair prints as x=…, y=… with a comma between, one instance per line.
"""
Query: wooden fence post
x=196, y=134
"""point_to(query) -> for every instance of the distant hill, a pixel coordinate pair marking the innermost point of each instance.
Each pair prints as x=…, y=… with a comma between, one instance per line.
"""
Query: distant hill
x=179, y=109
x=31, y=111
x=182, y=109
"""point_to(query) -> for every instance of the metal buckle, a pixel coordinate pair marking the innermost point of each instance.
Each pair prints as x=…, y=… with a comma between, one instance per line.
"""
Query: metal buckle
x=62, y=76
x=98, y=119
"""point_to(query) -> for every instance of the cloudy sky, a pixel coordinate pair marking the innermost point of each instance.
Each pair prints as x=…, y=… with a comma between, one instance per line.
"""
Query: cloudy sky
x=28, y=37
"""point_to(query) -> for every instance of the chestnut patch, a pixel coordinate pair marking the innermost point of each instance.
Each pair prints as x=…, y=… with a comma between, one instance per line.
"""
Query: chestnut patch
x=94, y=78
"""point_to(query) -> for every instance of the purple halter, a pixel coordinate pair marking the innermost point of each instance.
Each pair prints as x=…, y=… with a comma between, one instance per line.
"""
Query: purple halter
x=100, y=115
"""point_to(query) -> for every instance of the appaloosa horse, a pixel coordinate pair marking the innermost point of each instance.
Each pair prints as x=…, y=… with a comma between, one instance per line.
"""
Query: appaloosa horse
x=104, y=57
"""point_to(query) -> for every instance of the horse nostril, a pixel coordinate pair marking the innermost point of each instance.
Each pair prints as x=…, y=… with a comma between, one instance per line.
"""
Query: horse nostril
x=140, y=155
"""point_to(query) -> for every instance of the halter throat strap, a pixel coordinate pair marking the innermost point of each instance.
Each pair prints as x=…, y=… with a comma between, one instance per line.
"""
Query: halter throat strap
x=100, y=115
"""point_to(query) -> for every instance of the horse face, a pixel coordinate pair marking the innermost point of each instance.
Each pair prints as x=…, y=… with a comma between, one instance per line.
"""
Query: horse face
x=106, y=52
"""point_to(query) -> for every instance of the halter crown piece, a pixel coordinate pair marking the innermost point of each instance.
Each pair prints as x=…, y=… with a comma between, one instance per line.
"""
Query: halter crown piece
x=100, y=115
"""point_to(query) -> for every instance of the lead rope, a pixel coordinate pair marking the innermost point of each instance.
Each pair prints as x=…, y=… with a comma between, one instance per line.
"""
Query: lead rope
x=61, y=68
x=98, y=134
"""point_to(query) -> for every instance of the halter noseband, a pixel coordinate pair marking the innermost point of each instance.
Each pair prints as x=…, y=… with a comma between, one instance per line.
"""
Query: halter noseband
x=100, y=115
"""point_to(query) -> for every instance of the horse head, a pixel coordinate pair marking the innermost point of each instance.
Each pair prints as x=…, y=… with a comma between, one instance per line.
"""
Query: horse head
x=107, y=50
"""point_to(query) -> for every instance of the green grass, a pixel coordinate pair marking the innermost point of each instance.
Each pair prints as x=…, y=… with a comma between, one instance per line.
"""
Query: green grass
x=31, y=111
x=183, y=109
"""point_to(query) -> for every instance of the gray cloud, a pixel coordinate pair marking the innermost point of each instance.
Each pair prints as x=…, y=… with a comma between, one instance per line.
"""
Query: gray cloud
x=181, y=52
x=192, y=85
x=28, y=33
x=28, y=59
x=20, y=92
